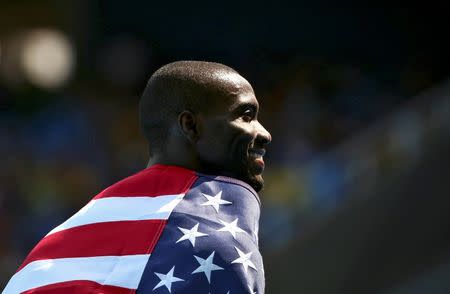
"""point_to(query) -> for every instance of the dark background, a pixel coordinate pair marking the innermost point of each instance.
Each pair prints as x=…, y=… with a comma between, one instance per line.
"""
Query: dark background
x=355, y=96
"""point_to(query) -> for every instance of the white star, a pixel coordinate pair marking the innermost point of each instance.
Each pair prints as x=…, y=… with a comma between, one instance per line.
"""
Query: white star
x=231, y=227
x=244, y=259
x=191, y=234
x=215, y=201
x=167, y=279
x=206, y=266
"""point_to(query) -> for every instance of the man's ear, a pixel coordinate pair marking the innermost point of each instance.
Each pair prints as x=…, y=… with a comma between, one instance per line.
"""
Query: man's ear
x=189, y=125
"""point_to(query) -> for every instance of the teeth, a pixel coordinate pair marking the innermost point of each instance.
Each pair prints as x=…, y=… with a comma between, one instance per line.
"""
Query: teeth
x=256, y=153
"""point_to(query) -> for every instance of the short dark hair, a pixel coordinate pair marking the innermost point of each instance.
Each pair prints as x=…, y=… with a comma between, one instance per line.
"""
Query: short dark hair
x=173, y=88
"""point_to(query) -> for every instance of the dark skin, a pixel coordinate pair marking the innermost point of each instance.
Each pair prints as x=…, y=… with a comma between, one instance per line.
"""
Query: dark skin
x=224, y=139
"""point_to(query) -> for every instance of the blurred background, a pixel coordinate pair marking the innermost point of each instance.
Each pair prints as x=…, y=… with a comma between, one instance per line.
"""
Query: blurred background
x=356, y=98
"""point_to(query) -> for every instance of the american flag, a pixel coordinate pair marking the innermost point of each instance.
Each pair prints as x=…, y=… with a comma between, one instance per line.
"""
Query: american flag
x=163, y=230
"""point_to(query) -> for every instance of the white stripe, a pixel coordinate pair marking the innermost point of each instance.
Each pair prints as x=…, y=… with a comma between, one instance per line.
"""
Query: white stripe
x=123, y=271
x=121, y=209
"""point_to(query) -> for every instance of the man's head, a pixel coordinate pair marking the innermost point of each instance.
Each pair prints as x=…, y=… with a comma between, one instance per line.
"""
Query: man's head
x=203, y=116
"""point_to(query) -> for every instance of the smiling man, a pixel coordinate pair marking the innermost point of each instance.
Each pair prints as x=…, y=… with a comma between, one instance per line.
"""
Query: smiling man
x=188, y=223
x=204, y=116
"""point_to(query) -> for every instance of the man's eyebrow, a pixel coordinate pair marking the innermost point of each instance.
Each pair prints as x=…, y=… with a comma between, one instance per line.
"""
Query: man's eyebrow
x=244, y=106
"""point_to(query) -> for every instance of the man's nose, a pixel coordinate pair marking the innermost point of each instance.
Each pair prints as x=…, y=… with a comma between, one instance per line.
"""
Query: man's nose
x=263, y=137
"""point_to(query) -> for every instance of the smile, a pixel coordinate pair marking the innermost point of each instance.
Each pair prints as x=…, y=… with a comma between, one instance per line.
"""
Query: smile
x=258, y=153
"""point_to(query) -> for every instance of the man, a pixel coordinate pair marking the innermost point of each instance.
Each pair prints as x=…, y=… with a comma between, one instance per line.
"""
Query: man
x=188, y=223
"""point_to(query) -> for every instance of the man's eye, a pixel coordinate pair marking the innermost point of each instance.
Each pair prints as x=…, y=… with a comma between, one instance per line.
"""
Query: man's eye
x=247, y=116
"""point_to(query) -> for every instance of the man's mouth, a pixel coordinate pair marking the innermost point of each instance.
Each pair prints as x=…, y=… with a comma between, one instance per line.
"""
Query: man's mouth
x=257, y=156
x=256, y=152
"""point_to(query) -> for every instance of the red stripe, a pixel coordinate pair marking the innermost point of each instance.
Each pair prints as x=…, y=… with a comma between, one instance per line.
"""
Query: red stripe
x=153, y=181
x=76, y=287
x=99, y=239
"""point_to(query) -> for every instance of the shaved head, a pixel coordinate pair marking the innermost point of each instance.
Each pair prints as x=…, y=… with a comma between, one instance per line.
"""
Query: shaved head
x=182, y=85
x=204, y=116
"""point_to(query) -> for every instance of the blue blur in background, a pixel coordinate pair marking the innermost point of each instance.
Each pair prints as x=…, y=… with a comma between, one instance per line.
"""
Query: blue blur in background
x=355, y=99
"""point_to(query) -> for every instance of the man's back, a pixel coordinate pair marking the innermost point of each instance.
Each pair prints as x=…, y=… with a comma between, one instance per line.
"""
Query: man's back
x=164, y=229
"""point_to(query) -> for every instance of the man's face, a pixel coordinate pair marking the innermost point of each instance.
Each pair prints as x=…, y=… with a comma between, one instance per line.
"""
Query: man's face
x=232, y=140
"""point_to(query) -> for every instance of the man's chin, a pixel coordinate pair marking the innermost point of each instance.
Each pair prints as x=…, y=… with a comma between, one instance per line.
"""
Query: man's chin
x=256, y=182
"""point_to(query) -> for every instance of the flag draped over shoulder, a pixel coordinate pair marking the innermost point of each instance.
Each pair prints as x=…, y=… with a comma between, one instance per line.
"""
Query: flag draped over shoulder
x=162, y=230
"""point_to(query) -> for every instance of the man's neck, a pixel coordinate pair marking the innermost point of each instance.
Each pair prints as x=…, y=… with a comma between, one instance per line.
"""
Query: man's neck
x=160, y=159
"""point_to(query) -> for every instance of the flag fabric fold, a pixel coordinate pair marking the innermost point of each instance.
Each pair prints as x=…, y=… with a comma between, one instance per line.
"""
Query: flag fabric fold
x=163, y=230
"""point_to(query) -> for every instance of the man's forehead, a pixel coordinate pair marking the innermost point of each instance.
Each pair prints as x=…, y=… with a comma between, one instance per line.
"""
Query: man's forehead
x=241, y=94
x=234, y=91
